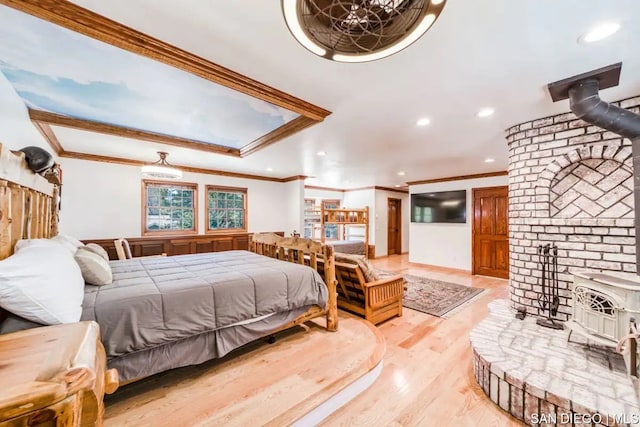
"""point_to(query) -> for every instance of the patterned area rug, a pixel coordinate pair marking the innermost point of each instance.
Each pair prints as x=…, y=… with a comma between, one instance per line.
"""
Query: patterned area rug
x=436, y=297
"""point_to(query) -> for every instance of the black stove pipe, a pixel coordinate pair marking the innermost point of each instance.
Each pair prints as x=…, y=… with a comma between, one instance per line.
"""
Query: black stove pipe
x=586, y=104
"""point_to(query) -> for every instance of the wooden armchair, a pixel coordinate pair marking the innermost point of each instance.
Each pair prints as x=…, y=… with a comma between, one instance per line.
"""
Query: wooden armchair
x=124, y=250
x=376, y=301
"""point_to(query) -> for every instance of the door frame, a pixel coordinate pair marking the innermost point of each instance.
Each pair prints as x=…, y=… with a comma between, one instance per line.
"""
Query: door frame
x=399, y=202
x=473, y=222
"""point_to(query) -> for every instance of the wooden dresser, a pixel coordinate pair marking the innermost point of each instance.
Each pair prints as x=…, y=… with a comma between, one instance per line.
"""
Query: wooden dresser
x=54, y=376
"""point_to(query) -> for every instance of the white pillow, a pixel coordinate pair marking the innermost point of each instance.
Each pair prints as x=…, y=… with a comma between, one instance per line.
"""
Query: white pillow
x=23, y=243
x=69, y=242
x=42, y=283
x=95, y=269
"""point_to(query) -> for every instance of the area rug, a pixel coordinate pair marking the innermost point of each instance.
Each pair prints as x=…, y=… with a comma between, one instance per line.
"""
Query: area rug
x=436, y=297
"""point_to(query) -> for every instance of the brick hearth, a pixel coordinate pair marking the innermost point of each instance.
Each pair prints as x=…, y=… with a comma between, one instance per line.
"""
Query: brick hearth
x=570, y=183
x=535, y=374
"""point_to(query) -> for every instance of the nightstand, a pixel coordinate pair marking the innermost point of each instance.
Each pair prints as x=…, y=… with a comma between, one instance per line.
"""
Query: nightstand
x=54, y=376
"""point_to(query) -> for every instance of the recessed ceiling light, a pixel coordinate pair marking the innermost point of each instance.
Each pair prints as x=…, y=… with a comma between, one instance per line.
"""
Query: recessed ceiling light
x=423, y=122
x=321, y=153
x=401, y=173
x=269, y=169
x=485, y=112
x=397, y=186
x=489, y=160
x=600, y=32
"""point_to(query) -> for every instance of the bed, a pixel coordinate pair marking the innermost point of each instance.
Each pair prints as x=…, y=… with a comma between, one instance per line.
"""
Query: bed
x=166, y=312
x=353, y=228
x=353, y=247
x=196, y=307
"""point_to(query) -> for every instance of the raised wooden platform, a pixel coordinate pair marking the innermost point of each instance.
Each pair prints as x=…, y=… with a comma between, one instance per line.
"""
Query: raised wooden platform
x=262, y=384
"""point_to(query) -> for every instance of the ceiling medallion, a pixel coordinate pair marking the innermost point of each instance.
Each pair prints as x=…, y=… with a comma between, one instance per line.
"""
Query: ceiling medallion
x=161, y=169
x=359, y=30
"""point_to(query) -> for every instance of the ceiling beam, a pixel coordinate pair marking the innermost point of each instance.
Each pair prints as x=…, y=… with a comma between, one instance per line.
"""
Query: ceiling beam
x=38, y=117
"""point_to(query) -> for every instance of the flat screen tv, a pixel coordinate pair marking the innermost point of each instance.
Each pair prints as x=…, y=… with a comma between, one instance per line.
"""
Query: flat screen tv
x=442, y=206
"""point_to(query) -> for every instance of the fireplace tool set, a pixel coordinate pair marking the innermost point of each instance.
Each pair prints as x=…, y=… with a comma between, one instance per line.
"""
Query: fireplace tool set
x=549, y=299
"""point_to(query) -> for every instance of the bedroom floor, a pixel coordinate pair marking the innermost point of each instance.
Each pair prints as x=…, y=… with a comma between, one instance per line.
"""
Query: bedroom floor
x=427, y=377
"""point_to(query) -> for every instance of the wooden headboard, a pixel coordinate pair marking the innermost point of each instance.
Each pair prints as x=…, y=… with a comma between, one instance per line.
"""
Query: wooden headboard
x=28, y=203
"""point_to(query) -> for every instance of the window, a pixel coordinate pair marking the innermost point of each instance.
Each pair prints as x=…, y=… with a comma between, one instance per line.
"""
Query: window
x=331, y=230
x=226, y=209
x=169, y=207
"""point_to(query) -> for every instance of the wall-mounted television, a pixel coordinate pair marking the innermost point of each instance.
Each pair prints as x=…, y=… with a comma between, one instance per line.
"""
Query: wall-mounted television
x=441, y=206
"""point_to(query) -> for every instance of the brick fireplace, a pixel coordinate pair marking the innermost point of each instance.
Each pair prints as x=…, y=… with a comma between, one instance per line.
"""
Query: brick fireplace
x=570, y=184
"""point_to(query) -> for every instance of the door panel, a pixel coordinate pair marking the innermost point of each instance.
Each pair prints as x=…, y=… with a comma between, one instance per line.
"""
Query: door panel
x=394, y=231
x=502, y=255
x=485, y=258
x=491, y=232
x=487, y=208
x=502, y=219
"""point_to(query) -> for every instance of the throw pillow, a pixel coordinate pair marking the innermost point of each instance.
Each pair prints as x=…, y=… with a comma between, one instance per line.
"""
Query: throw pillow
x=94, y=247
x=95, y=269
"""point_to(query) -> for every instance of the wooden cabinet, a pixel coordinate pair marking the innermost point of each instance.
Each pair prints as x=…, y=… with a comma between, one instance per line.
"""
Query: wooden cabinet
x=179, y=245
x=54, y=376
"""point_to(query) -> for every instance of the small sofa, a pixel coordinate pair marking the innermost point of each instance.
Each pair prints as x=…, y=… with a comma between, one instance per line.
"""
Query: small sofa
x=361, y=292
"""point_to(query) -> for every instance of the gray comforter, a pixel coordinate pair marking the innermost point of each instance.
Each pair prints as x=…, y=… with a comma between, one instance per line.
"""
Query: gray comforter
x=153, y=301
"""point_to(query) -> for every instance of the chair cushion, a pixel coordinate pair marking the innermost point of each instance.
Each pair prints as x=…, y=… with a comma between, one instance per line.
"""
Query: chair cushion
x=369, y=273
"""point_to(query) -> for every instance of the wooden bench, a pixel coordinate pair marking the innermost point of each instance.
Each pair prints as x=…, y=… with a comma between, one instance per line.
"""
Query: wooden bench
x=376, y=301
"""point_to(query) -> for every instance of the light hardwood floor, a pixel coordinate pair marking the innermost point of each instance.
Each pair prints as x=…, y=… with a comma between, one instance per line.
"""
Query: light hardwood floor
x=427, y=378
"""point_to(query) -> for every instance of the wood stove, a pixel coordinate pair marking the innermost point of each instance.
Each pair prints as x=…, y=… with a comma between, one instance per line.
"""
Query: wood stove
x=605, y=309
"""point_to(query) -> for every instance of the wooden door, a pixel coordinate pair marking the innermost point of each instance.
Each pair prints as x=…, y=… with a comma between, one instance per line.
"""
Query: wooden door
x=394, y=227
x=490, y=231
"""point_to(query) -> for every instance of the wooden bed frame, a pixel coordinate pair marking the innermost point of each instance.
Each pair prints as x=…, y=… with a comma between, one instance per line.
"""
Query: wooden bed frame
x=346, y=218
x=305, y=252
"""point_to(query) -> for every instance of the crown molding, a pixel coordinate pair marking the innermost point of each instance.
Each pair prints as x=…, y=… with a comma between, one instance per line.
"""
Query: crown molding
x=39, y=118
x=345, y=190
x=139, y=163
x=48, y=135
x=459, y=178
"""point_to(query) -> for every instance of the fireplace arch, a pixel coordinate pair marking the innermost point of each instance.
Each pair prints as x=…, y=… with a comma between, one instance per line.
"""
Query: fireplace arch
x=588, y=182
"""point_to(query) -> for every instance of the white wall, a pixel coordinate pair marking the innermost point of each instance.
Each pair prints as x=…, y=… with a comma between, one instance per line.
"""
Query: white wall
x=358, y=199
x=447, y=245
x=382, y=220
x=103, y=200
x=295, y=199
x=16, y=130
x=313, y=193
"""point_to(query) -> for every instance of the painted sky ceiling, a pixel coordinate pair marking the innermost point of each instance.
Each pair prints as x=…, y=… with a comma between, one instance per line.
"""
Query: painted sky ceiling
x=60, y=71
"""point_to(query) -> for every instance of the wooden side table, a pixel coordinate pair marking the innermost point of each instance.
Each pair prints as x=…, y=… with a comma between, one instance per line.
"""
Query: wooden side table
x=54, y=376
